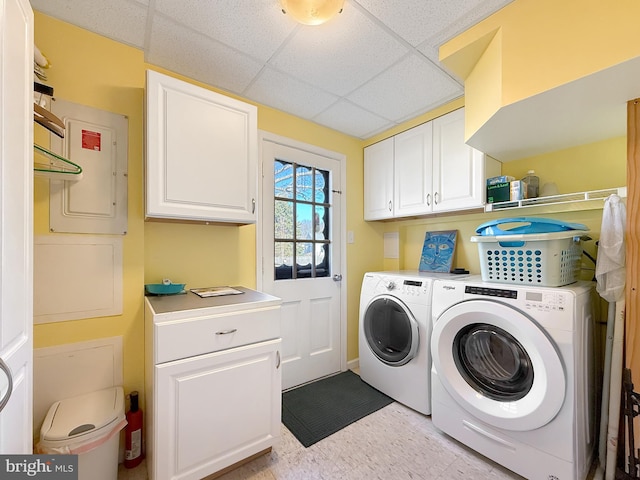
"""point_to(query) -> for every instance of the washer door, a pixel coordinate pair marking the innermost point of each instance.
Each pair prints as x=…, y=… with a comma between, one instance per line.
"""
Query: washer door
x=391, y=330
x=498, y=364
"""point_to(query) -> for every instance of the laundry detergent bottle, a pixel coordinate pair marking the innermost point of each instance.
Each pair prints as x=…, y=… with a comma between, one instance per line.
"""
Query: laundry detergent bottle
x=133, y=433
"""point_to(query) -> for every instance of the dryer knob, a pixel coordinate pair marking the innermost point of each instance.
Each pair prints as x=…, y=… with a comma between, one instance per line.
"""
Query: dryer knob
x=391, y=285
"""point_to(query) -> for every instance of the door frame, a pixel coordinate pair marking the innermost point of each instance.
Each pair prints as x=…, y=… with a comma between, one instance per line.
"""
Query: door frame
x=340, y=157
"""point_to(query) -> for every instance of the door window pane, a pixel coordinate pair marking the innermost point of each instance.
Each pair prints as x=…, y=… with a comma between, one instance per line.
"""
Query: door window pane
x=304, y=222
x=283, y=257
x=321, y=189
x=304, y=260
x=282, y=177
x=283, y=220
x=302, y=210
x=321, y=223
x=304, y=183
x=322, y=260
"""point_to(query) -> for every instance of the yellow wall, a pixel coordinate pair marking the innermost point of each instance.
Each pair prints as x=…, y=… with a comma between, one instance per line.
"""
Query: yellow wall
x=91, y=70
x=593, y=166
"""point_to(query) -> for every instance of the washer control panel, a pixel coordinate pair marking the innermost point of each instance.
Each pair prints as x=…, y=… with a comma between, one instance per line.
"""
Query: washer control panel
x=538, y=300
x=406, y=287
x=491, y=292
x=545, y=301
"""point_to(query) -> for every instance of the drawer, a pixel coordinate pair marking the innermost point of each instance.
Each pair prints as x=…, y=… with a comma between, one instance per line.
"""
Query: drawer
x=199, y=335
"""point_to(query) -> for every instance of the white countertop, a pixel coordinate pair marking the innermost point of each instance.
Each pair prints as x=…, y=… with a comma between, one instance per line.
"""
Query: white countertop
x=174, y=307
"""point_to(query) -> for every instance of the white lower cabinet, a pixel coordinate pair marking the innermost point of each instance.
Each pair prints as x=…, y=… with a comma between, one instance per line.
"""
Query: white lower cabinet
x=215, y=410
x=430, y=170
x=213, y=382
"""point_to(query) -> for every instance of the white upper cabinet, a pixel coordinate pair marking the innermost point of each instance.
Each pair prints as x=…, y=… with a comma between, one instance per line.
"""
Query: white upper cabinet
x=201, y=153
x=378, y=180
x=413, y=162
x=430, y=168
x=459, y=171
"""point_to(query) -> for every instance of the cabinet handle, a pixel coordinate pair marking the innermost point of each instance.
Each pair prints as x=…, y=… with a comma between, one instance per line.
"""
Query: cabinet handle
x=227, y=332
x=428, y=199
x=390, y=205
x=277, y=359
x=435, y=198
x=253, y=205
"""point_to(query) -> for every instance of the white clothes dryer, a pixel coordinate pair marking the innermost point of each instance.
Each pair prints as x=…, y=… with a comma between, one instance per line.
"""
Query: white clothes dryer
x=513, y=374
x=394, y=333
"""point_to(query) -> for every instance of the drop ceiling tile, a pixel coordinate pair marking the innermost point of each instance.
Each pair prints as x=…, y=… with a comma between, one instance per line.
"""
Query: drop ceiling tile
x=340, y=55
x=285, y=93
x=412, y=85
x=417, y=20
x=120, y=20
x=256, y=27
x=189, y=53
x=352, y=120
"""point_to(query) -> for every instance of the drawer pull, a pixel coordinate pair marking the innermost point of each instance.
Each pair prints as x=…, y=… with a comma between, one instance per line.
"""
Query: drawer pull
x=278, y=359
x=227, y=332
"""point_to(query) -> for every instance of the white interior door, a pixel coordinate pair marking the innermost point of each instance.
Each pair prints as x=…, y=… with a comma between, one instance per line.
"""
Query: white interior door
x=16, y=226
x=300, y=256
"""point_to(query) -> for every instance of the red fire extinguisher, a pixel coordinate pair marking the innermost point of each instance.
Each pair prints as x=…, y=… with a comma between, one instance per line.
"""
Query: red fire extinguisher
x=133, y=433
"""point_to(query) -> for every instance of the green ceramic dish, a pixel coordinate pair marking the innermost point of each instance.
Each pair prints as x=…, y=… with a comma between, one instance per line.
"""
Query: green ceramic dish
x=162, y=289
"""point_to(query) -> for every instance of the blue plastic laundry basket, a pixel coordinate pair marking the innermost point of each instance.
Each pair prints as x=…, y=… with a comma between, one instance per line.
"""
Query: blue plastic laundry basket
x=534, y=251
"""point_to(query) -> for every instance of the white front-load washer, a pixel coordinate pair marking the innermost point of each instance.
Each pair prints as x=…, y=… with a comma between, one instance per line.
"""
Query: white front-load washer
x=513, y=374
x=394, y=334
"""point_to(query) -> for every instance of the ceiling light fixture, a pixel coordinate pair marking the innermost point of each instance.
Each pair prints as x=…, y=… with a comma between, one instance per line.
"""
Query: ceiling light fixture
x=312, y=12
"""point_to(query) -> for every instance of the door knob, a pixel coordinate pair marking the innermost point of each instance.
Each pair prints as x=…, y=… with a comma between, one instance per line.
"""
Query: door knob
x=337, y=277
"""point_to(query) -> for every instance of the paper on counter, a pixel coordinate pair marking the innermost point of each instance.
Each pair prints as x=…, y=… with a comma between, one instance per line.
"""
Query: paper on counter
x=215, y=291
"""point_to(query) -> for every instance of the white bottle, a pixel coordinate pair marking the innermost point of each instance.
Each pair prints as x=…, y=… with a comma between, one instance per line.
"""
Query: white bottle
x=533, y=184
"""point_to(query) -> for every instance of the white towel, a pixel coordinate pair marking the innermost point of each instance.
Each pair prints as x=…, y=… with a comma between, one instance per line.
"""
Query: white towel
x=610, y=264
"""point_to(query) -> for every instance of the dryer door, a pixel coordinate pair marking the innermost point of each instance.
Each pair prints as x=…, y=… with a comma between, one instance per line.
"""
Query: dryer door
x=391, y=330
x=498, y=364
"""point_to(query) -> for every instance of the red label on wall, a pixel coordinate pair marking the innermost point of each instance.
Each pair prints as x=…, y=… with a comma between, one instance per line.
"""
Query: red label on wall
x=91, y=140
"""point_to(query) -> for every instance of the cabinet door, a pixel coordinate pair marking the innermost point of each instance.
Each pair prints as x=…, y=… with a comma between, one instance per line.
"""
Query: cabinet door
x=458, y=169
x=378, y=180
x=215, y=410
x=201, y=153
x=412, y=171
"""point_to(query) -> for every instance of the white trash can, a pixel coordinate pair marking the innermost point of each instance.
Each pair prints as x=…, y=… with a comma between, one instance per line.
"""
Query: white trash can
x=87, y=425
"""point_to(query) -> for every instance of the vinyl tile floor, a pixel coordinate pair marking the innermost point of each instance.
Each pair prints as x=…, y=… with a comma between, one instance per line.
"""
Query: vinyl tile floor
x=393, y=443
